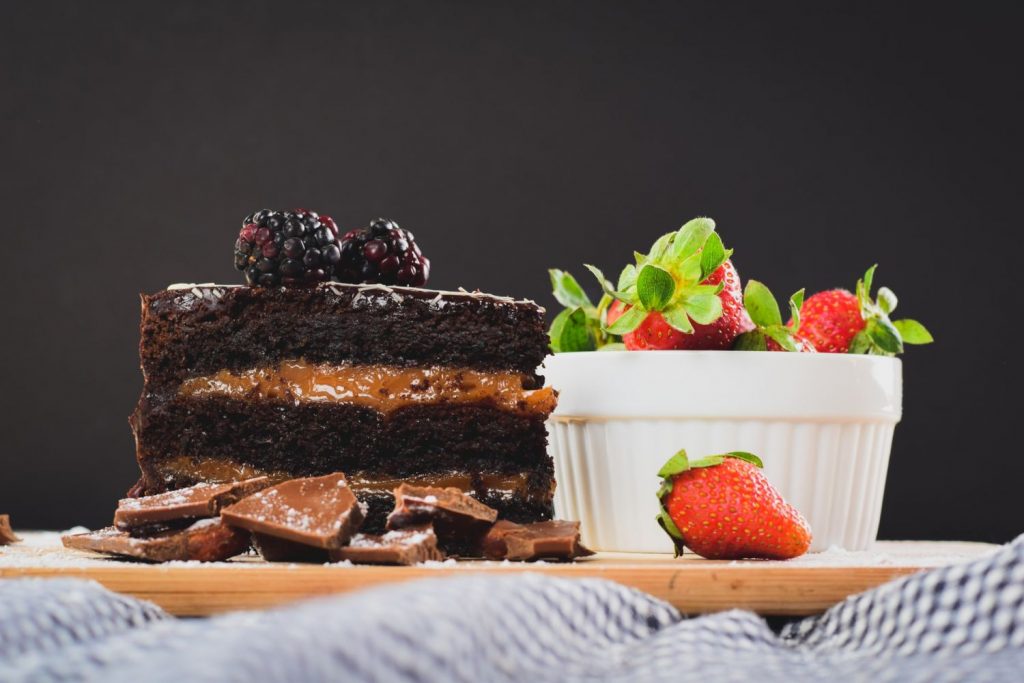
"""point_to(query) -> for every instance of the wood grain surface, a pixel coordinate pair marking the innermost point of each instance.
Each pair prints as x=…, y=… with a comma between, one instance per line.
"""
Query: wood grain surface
x=803, y=586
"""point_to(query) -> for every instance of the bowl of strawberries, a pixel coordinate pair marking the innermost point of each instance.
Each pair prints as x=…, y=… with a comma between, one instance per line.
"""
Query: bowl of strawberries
x=678, y=353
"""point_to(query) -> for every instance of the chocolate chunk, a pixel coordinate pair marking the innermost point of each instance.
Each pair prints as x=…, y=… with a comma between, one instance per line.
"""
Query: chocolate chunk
x=208, y=540
x=407, y=546
x=195, y=502
x=459, y=520
x=273, y=549
x=556, y=539
x=7, y=535
x=318, y=511
x=493, y=543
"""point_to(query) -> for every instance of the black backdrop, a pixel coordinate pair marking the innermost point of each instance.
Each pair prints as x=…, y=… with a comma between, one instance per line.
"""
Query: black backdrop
x=511, y=137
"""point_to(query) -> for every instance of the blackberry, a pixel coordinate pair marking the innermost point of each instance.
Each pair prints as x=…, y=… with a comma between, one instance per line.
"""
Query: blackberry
x=287, y=248
x=382, y=252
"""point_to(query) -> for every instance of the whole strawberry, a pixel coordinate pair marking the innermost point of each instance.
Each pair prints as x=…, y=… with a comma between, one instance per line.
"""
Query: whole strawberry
x=838, y=321
x=684, y=294
x=831, y=319
x=769, y=333
x=723, y=508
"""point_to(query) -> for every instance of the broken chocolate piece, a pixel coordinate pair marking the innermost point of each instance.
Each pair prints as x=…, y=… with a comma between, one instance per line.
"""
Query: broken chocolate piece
x=493, y=544
x=153, y=513
x=556, y=539
x=7, y=535
x=405, y=547
x=273, y=549
x=208, y=540
x=459, y=520
x=318, y=511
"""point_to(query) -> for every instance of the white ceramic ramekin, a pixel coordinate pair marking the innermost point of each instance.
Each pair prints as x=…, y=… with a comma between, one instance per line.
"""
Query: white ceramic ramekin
x=822, y=424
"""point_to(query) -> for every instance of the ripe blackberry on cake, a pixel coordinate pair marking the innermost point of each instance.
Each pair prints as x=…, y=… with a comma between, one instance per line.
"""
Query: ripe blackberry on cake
x=298, y=247
x=383, y=253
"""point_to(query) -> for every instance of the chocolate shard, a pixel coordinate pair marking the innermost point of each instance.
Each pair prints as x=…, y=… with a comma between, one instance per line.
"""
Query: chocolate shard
x=405, y=547
x=153, y=513
x=208, y=540
x=7, y=535
x=555, y=539
x=274, y=549
x=317, y=511
x=459, y=520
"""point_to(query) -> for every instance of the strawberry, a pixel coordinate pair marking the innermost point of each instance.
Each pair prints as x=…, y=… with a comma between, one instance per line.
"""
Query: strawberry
x=831, y=320
x=769, y=333
x=723, y=508
x=683, y=294
x=655, y=333
x=838, y=321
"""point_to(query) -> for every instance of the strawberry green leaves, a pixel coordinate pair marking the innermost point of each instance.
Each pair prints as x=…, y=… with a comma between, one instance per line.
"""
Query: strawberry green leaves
x=796, y=302
x=887, y=300
x=912, y=331
x=704, y=306
x=674, y=465
x=567, y=290
x=690, y=238
x=665, y=522
x=654, y=287
x=761, y=305
x=764, y=311
x=627, y=322
x=627, y=278
x=882, y=336
x=570, y=331
x=712, y=256
x=668, y=279
x=606, y=286
x=579, y=326
x=678, y=464
x=712, y=460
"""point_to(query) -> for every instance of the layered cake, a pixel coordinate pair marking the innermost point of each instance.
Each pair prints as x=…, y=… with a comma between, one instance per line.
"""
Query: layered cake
x=388, y=384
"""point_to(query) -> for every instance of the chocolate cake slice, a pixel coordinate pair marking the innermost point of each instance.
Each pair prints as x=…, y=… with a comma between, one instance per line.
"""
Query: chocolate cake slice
x=387, y=384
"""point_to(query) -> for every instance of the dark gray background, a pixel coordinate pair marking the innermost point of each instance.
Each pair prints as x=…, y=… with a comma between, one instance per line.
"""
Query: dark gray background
x=511, y=137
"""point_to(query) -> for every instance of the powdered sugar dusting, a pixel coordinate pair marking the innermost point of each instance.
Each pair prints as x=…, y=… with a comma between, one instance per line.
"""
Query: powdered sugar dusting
x=216, y=291
x=439, y=564
x=43, y=550
x=203, y=523
x=909, y=554
x=390, y=538
x=171, y=498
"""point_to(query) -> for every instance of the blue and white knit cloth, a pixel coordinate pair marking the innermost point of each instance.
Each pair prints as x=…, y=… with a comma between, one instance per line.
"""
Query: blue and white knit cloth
x=959, y=623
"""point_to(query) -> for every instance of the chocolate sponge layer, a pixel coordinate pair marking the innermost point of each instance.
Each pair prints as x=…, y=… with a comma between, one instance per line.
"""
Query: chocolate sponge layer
x=315, y=438
x=200, y=330
x=309, y=439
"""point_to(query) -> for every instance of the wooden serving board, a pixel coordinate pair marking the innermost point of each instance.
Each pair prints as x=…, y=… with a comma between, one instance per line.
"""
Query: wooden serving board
x=806, y=585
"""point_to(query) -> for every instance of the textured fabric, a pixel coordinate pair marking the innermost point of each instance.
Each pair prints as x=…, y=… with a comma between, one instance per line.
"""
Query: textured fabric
x=960, y=623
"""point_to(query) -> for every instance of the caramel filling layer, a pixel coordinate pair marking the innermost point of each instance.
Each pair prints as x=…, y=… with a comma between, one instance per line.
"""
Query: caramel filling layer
x=510, y=483
x=383, y=388
x=213, y=470
x=190, y=469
